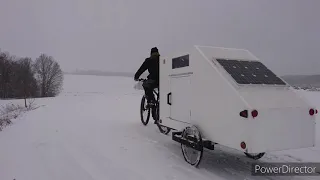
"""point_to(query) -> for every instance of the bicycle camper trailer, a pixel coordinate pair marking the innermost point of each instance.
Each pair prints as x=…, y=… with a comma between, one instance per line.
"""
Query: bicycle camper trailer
x=212, y=95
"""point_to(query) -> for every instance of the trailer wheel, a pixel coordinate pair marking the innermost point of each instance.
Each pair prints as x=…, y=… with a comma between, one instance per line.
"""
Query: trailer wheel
x=144, y=111
x=255, y=156
x=192, y=155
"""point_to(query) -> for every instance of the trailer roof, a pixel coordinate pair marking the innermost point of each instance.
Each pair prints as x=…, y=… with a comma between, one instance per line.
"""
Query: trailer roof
x=250, y=72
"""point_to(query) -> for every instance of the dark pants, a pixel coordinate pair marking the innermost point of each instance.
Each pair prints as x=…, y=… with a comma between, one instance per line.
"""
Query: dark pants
x=148, y=87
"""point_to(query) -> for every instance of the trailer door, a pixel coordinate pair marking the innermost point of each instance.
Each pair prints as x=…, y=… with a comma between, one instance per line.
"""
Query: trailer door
x=179, y=98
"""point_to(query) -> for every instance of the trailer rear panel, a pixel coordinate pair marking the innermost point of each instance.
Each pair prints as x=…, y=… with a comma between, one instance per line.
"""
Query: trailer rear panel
x=281, y=129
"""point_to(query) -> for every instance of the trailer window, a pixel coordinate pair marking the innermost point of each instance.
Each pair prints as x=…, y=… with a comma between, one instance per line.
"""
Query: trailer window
x=250, y=72
x=179, y=62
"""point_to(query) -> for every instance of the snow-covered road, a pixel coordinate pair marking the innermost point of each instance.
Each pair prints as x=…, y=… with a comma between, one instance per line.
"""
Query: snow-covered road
x=92, y=131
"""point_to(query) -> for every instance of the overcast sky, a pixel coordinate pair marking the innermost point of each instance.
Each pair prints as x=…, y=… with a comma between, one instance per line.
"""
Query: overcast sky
x=117, y=35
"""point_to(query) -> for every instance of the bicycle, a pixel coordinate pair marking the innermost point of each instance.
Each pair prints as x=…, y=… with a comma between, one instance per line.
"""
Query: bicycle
x=154, y=110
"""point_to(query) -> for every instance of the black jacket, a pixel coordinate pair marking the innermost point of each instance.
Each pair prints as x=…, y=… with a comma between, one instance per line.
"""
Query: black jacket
x=152, y=65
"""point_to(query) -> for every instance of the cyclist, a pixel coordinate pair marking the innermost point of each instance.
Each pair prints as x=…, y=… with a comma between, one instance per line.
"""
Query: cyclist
x=152, y=65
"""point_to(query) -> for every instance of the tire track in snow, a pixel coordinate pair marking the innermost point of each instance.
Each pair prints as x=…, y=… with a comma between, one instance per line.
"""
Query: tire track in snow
x=172, y=152
x=59, y=164
x=101, y=167
x=239, y=167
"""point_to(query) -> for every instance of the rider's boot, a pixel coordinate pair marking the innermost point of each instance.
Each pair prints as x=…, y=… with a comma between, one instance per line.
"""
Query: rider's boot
x=155, y=114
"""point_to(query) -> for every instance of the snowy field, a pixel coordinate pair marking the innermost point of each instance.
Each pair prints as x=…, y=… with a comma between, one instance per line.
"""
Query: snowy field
x=92, y=131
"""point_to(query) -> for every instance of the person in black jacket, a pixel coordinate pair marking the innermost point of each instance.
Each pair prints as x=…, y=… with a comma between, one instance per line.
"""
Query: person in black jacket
x=152, y=65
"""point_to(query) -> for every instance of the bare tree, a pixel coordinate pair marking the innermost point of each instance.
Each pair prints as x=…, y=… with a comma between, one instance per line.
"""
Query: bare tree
x=26, y=85
x=49, y=76
x=6, y=75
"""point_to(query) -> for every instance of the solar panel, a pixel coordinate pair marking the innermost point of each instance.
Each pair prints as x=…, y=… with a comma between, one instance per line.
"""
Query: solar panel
x=250, y=72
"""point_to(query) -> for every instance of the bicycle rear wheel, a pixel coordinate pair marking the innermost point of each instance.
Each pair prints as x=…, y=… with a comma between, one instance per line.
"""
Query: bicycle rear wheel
x=144, y=111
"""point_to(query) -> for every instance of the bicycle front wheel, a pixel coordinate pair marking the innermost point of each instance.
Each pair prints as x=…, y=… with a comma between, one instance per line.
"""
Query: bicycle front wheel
x=144, y=111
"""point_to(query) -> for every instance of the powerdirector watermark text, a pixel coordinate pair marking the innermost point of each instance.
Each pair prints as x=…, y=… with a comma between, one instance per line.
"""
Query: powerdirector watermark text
x=285, y=169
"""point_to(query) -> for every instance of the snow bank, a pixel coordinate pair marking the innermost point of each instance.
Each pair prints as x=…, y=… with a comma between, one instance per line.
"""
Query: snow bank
x=11, y=109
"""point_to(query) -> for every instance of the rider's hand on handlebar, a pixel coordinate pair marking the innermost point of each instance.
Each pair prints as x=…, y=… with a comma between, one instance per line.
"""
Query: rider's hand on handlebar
x=139, y=79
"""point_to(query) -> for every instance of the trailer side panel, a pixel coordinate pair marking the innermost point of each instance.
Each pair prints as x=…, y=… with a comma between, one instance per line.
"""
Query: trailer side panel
x=216, y=104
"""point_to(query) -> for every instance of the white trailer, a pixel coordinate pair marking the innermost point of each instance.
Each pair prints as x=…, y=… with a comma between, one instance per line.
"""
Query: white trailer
x=228, y=97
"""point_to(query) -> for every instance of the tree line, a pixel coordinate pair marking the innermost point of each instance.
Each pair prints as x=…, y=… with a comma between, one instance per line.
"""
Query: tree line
x=25, y=78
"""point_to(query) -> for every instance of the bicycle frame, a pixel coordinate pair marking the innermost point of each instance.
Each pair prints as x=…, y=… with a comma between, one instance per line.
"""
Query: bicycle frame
x=155, y=91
